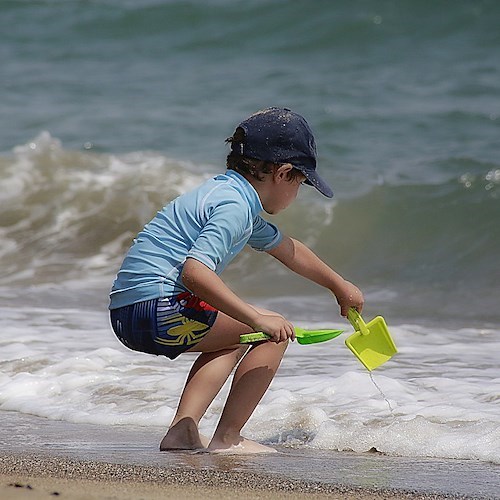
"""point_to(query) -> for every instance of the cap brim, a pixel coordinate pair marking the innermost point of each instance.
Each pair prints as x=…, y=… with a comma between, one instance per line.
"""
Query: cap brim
x=313, y=179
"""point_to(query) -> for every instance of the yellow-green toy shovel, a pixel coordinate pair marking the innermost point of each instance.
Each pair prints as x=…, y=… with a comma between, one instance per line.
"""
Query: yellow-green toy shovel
x=303, y=336
x=371, y=342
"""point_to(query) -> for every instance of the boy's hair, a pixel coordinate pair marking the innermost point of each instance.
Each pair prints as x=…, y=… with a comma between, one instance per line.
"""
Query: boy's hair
x=251, y=166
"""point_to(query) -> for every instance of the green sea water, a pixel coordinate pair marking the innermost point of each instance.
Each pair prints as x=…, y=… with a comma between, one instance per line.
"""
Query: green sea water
x=110, y=108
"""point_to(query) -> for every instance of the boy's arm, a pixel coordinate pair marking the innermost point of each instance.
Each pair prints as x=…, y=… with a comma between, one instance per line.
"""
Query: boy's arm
x=300, y=259
x=207, y=285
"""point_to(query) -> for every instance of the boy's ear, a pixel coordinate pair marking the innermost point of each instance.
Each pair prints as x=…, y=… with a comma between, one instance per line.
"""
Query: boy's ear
x=281, y=173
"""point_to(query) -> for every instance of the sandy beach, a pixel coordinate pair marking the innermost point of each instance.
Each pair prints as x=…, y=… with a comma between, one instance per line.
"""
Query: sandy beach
x=35, y=477
x=42, y=458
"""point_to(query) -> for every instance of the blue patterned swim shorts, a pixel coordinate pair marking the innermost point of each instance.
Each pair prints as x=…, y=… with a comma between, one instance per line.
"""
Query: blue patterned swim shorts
x=166, y=327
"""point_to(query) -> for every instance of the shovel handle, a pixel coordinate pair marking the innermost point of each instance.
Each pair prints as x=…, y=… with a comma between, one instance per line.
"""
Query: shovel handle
x=357, y=321
x=303, y=336
x=248, y=338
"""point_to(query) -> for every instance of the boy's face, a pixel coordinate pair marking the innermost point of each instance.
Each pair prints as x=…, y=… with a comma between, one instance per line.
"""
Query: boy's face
x=285, y=189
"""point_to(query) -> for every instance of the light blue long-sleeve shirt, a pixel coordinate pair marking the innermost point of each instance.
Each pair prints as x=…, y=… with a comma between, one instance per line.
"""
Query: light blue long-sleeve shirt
x=211, y=224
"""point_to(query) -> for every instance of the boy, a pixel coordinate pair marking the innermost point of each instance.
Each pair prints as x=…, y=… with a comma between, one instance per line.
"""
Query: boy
x=168, y=297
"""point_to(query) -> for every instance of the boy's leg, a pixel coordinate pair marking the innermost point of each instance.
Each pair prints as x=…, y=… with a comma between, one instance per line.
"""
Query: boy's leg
x=221, y=351
x=208, y=375
x=251, y=380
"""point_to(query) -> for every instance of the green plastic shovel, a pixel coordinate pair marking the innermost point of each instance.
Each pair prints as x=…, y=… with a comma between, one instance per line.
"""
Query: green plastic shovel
x=371, y=342
x=303, y=336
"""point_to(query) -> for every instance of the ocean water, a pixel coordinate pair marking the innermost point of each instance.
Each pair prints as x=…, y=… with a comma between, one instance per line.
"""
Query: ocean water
x=112, y=108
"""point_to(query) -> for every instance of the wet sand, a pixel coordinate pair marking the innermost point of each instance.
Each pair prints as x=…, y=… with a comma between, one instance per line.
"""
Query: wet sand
x=40, y=458
x=36, y=477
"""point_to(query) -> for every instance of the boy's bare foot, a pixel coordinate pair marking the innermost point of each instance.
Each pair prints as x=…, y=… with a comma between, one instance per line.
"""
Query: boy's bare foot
x=242, y=447
x=184, y=435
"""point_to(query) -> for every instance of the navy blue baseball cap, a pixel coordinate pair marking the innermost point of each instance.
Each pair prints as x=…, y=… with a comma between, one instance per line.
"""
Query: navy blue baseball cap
x=279, y=135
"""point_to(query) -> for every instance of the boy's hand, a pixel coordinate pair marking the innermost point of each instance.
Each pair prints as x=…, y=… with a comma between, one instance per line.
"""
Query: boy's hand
x=275, y=325
x=349, y=296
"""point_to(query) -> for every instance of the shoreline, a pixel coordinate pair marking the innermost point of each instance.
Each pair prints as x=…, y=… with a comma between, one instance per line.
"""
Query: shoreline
x=93, y=461
x=23, y=474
